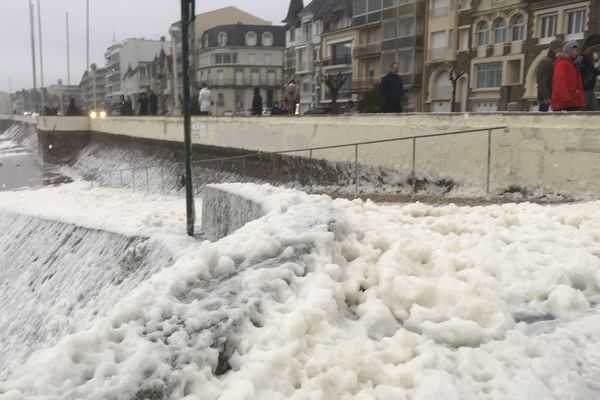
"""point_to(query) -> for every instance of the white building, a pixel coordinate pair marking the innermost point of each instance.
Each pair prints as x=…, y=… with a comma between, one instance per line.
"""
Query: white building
x=129, y=55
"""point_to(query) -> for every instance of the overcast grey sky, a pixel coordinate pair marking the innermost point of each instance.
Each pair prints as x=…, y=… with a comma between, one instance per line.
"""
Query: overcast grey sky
x=124, y=18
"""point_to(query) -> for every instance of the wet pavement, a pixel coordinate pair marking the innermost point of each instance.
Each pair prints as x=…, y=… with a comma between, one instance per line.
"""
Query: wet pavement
x=21, y=168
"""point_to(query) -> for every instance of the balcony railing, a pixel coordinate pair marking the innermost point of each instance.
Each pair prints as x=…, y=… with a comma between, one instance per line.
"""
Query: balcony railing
x=363, y=84
x=367, y=50
x=438, y=53
x=337, y=61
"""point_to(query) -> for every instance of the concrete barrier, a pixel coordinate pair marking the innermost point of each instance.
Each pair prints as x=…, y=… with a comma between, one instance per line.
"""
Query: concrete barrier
x=539, y=154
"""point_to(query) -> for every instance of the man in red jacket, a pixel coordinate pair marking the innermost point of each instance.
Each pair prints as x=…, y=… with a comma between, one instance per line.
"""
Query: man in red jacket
x=567, y=84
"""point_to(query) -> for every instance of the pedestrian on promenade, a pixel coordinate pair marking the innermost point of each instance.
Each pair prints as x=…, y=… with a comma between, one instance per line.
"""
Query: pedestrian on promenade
x=143, y=100
x=72, y=108
x=128, y=106
x=392, y=89
x=205, y=100
x=122, y=105
x=590, y=70
x=545, y=72
x=153, y=103
x=257, y=103
x=290, y=99
x=567, y=83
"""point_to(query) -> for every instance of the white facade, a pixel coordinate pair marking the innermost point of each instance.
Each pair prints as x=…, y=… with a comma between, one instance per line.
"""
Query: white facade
x=123, y=55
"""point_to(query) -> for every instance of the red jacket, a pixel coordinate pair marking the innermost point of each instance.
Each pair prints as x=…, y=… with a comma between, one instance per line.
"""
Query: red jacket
x=567, y=86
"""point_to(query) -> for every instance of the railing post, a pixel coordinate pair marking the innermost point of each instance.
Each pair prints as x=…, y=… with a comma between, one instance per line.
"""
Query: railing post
x=356, y=169
x=162, y=180
x=489, y=163
x=413, y=173
x=310, y=154
x=147, y=182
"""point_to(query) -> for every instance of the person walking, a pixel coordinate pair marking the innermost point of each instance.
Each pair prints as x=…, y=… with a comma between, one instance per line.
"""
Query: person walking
x=257, y=103
x=205, y=100
x=143, y=100
x=567, y=82
x=392, y=89
x=545, y=73
x=290, y=99
x=590, y=70
x=153, y=103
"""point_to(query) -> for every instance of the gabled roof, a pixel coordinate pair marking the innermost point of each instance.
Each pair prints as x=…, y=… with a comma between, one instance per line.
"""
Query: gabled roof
x=295, y=7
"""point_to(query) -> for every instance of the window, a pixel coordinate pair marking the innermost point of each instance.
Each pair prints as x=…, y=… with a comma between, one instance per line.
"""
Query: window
x=302, y=60
x=489, y=75
x=267, y=39
x=390, y=30
x=372, y=37
x=251, y=38
x=251, y=58
x=406, y=26
x=268, y=59
x=307, y=32
x=306, y=88
x=464, y=39
x=405, y=61
x=271, y=78
x=220, y=77
x=226, y=58
x=222, y=39
x=483, y=33
x=548, y=25
x=499, y=30
x=575, y=22
x=374, y=5
x=239, y=78
x=442, y=88
x=438, y=45
x=360, y=7
x=293, y=35
x=440, y=8
x=255, y=77
x=518, y=27
x=390, y=3
x=370, y=70
x=220, y=99
x=341, y=53
x=206, y=40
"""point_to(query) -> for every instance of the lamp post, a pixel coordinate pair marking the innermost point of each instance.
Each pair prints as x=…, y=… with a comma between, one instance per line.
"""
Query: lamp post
x=187, y=16
x=61, y=91
x=93, y=68
x=174, y=31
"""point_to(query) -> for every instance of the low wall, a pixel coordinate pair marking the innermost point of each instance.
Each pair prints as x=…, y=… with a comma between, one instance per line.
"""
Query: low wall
x=540, y=154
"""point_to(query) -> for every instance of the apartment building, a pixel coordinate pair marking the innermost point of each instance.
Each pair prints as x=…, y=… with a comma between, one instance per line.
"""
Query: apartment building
x=235, y=59
x=337, y=43
x=122, y=59
x=87, y=88
x=399, y=27
x=497, y=47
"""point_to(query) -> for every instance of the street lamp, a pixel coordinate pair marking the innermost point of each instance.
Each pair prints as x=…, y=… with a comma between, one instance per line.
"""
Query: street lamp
x=61, y=95
x=93, y=67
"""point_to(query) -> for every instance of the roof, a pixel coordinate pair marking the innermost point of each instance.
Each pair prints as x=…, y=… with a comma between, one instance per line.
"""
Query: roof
x=295, y=7
x=236, y=34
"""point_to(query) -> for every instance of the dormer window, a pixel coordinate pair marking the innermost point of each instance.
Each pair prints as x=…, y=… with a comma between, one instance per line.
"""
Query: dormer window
x=222, y=38
x=251, y=38
x=267, y=39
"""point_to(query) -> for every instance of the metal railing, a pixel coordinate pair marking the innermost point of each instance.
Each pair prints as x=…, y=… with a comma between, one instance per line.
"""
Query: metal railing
x=121, y=173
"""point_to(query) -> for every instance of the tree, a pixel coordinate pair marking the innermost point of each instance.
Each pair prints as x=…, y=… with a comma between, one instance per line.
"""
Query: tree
x=454, y=77
x=371, y=101
x=334, y=83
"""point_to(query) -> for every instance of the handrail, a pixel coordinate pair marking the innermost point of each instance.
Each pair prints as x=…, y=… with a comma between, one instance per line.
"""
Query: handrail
x=356, y=145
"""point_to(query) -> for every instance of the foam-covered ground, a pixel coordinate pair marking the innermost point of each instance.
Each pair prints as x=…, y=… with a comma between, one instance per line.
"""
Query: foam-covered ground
x=325, y=299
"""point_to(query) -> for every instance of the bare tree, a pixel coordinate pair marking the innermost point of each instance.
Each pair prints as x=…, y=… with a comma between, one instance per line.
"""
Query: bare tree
x=454, y=76
x=334, y=83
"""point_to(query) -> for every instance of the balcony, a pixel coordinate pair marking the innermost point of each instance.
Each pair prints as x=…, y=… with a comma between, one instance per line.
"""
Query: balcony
x=364, y=84
x=341, y=61
x=437, y=54
x=366, y=50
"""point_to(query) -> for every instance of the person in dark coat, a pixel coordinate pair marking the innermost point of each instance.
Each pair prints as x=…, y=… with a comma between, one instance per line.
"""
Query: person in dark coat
x=544, y=75
x=567, y=82
x=72, y=108
x=257, y=102
x=128, y=106
x=392, y=89
x=590, y=70
x=153, y=103
x=122, y=105
x=143, y=100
